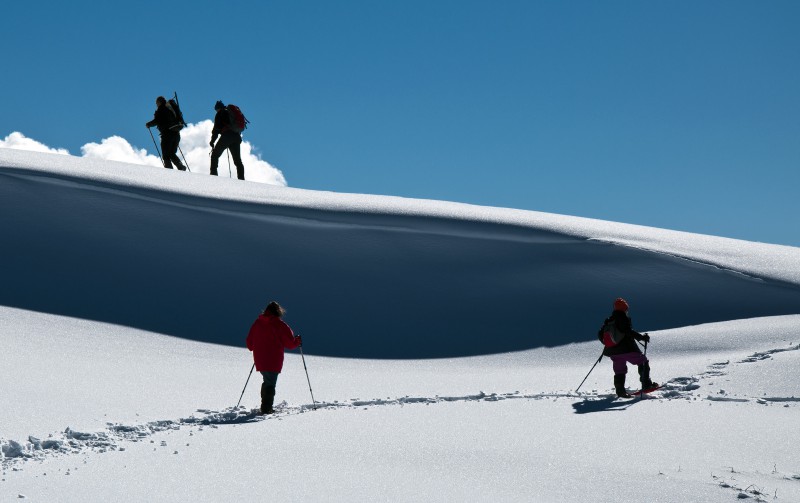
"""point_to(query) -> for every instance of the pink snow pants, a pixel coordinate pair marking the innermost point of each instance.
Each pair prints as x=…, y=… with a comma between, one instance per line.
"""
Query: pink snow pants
x=621, y=361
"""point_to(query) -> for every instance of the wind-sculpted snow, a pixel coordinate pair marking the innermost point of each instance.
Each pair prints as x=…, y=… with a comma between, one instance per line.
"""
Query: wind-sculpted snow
x=361, y=276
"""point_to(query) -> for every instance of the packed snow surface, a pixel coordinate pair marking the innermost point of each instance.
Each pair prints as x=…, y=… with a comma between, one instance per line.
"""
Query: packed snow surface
x=444, y=344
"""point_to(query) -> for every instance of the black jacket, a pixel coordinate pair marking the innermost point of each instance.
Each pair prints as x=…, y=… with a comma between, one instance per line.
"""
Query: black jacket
x=164, y=118
x=222, y=123
x=628, y=343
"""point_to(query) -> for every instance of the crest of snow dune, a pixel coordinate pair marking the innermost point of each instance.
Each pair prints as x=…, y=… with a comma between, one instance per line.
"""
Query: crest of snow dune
x=194, y=146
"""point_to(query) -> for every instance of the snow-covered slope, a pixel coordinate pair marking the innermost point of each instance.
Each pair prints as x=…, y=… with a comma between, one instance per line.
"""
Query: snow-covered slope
x=363, y=276
x=127, y=292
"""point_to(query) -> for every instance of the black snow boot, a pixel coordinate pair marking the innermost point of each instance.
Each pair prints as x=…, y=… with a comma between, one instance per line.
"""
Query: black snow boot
x=619, y=384
x=644, y=376
x=267, y=398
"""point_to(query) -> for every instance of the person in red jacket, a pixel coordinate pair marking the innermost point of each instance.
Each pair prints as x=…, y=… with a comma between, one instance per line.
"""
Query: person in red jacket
x=267, y=339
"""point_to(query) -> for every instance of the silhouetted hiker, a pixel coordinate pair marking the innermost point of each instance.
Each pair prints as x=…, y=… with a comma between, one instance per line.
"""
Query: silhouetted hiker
x=267, y=339
x=229, y=138
x=169, y=126
x=620, y=338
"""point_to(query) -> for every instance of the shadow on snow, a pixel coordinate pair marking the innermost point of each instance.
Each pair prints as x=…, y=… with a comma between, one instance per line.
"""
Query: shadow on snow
x=355, y=285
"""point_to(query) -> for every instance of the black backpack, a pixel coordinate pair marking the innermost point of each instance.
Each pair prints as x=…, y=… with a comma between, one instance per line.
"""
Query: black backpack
x=179, y=123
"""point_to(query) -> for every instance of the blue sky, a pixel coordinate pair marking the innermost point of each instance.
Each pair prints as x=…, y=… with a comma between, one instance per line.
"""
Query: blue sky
x=681, y=115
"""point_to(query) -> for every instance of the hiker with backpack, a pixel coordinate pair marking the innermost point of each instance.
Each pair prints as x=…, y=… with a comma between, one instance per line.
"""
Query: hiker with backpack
x=228, y=126
x=619, y=338
x=267, y=339
x=169, y=123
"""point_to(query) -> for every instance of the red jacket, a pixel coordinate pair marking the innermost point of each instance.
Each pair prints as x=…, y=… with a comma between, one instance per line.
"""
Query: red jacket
x=268, y=336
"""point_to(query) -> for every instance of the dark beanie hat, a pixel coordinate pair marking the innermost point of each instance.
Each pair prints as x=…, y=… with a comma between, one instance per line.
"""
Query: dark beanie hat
x=219, y=105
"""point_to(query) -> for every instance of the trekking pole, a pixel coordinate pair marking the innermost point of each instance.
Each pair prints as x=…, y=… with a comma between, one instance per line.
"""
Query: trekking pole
x=184, y=159
x=590, y=371
x=156, y=144
x=641, y=391
x=230, y=173
x=245, y=384
x=309, y=380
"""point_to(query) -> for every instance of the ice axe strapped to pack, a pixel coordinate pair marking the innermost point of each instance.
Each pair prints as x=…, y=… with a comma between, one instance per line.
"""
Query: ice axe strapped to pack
x=173, y=105
x=180, y=123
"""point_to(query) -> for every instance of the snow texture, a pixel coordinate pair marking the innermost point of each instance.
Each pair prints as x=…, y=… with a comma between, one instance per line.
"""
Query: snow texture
x=444, y=343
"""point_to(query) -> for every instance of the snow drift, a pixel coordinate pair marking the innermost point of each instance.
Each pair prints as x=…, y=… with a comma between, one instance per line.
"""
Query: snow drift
x=362, y=276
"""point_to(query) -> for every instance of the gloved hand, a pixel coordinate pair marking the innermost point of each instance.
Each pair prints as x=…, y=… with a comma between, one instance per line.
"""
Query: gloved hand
x=300, y=340
x=211, y=143
x=646, y=337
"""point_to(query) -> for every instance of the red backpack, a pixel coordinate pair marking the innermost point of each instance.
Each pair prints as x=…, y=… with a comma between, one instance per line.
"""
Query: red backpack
x=610, y=334
x=238, y=121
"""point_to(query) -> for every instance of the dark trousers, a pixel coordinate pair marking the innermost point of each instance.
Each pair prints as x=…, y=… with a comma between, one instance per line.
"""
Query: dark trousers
x=232, y=142
x=169, y=150
x=268, y=391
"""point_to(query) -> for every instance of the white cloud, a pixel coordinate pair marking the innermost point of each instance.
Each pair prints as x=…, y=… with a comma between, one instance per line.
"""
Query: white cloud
x=194, y=146
x=117, y=148
x=19, y=141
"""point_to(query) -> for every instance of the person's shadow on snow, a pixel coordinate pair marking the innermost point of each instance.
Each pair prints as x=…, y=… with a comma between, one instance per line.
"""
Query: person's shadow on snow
x=607, y=404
